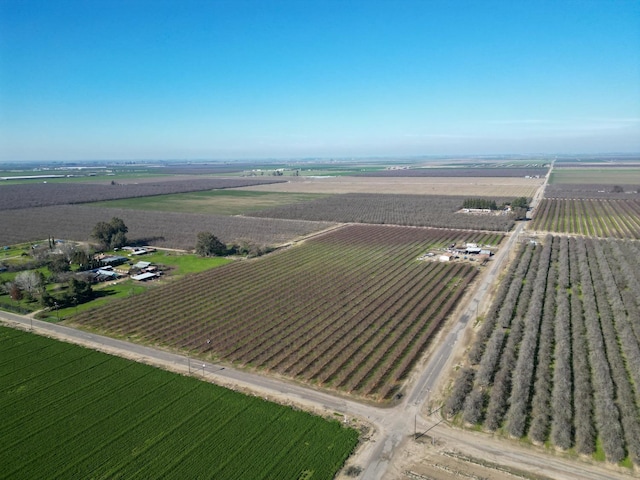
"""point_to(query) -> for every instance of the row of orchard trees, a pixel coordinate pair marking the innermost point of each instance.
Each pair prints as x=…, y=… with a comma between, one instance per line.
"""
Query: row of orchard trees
x=557, y=358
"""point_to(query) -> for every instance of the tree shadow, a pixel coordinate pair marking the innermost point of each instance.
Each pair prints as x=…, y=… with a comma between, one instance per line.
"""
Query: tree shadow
x=105, y=292
x=142, y=241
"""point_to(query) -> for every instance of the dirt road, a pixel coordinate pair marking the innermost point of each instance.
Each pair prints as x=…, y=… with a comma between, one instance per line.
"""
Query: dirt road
x=390, y=450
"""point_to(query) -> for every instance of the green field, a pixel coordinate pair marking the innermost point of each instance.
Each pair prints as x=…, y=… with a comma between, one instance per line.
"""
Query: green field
x=217, y=202
x=596, y=175
x=71, y=412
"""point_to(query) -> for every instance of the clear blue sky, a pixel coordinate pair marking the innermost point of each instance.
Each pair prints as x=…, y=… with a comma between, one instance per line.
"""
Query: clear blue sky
x=127, y=79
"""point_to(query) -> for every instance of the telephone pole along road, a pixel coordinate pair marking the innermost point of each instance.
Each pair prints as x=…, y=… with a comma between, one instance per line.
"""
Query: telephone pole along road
x=393, y=426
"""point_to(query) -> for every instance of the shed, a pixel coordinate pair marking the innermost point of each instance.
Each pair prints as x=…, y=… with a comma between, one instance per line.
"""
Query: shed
x=113, y=260
x=144, y=276
x=142, y=265
x=107, y=273
x=445, y=258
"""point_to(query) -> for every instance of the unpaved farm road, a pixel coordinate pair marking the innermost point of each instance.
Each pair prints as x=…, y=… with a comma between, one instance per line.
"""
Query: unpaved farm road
x=392, y=428
x=391, y=449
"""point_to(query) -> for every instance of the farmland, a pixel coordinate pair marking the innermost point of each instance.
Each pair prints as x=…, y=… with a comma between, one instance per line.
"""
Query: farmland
x=593, y=217
x=213, y=202
x=557, y=358
x=417, y=210
x=45, y=194
x=169, y=212
x=69, y=412
x=460, y=172
x=621, y=191
x=350, y=310
x=604, y=175
x=468, y=186
x=162, y=229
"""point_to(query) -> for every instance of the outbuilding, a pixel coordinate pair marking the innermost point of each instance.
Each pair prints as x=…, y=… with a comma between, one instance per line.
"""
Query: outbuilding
x=143, y=277
x=113, y=260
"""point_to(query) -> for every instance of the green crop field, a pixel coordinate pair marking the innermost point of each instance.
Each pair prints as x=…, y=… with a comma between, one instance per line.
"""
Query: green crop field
x=217, y=202
x=71, y=412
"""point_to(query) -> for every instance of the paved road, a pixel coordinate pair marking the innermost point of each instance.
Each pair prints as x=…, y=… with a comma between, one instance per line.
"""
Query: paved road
x=393, y=426
x=400, y=423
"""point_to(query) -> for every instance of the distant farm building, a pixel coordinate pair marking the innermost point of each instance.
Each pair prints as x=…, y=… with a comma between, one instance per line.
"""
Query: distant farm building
x=476, y=210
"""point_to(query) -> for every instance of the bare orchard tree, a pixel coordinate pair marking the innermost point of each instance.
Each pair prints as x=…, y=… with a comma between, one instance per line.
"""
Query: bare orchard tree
x=29, y=282
x=11, y=289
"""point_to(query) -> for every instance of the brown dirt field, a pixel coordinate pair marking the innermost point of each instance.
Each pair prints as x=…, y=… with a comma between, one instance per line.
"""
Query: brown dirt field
x=441, y=462
x=472, y=186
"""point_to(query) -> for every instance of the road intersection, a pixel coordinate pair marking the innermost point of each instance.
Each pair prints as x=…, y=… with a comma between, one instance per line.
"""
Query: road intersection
x=391, y=427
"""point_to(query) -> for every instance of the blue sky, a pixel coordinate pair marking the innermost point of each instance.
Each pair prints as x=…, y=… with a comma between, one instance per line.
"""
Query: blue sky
x=231, y=79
